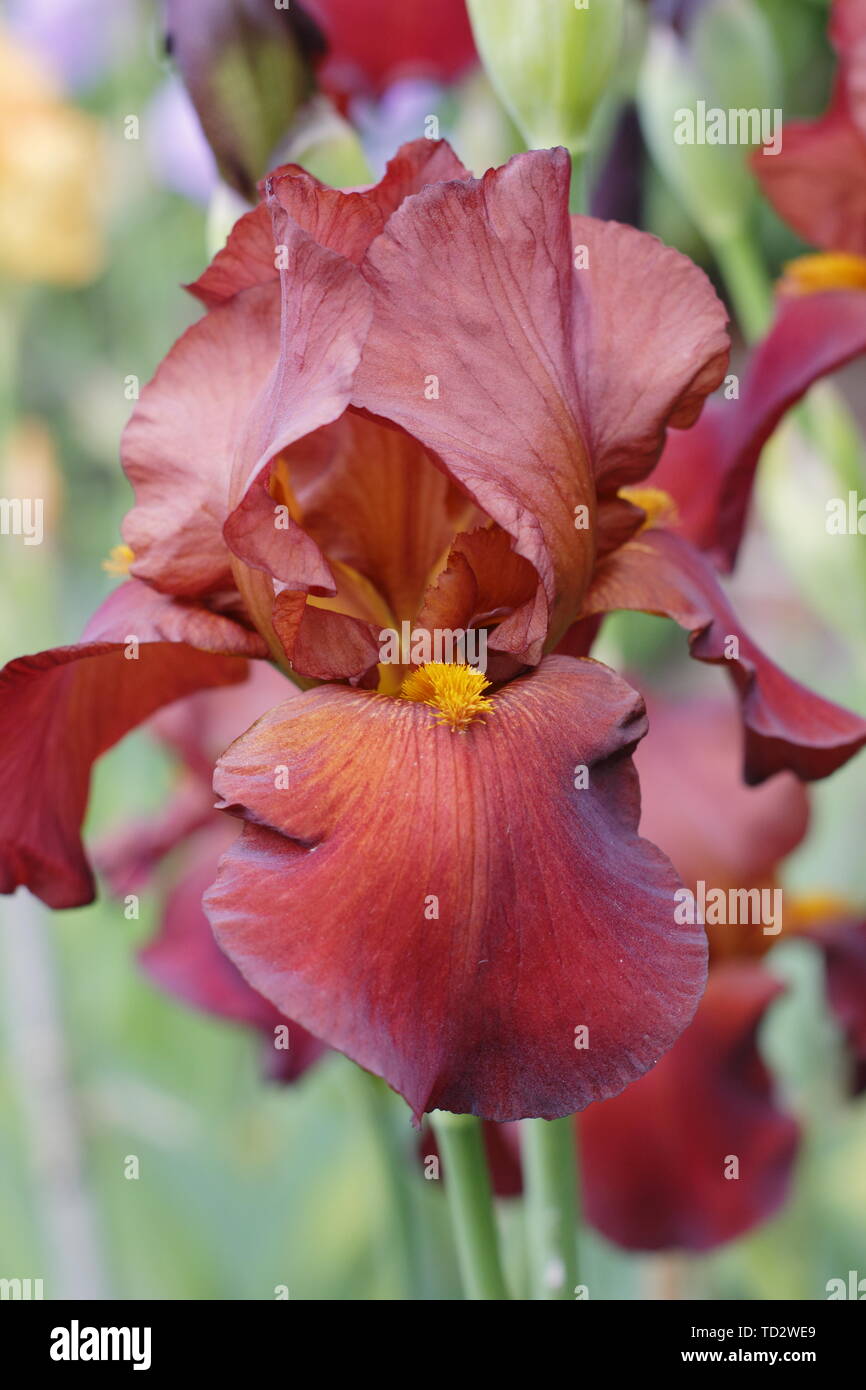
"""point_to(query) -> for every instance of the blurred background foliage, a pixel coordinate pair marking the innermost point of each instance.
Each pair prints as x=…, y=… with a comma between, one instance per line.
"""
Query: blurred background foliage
x=246, y=1186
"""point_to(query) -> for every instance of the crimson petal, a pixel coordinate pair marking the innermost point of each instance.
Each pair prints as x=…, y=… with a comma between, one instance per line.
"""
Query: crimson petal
x=61, y=709
x=710, y=470
x=382, y=41
x=654, y=1159
x=787, y=726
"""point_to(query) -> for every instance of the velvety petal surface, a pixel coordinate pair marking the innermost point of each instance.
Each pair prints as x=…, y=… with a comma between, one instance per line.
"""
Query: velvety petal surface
x=787, y=727
x=650, y=344
x=654, y=1159
x=471, y=352
x=448, y=908
x=179, y=445
x=345, y=222
x=62, y=708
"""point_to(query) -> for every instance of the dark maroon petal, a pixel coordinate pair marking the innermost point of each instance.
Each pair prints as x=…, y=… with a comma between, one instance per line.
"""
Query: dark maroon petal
x=787, y=726
x=843, y=945
x=710, y=469
x=654, y=1159
x=61, y=709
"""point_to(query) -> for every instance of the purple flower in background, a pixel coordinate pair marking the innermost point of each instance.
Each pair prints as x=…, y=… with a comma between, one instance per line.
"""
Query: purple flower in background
x=179, y=155
x=396, y=118
x=76, y=38
x=677, y=13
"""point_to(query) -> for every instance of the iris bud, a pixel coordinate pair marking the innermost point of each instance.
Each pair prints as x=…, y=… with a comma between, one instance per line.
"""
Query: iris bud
x=549, y=63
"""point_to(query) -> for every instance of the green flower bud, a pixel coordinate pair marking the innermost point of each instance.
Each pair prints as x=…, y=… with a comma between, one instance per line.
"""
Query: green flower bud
x=704, y=103
x=549, y=63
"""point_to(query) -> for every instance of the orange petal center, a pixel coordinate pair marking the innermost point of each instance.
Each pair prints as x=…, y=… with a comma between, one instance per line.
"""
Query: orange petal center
x=454, y=691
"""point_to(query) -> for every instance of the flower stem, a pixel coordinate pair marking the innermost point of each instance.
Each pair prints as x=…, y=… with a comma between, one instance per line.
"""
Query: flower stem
x=550, y=1180
x=747, y=282
x=396, y=1166
x=578, y=200
x=469, y=1196
x=50, y=1105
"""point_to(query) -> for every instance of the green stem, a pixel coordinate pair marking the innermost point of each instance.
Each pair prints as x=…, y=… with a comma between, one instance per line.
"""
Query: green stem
x=578, y=201
x=396, y=1166
x=827, y=420
x=747, y=282
x=550, y=1180
x=467, y=1184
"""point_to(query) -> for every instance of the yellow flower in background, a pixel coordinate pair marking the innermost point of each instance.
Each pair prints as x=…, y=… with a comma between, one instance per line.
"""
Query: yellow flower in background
x=51, y=165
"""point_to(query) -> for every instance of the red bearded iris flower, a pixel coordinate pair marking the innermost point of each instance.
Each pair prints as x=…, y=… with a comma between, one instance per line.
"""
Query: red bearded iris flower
x=426, y=403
